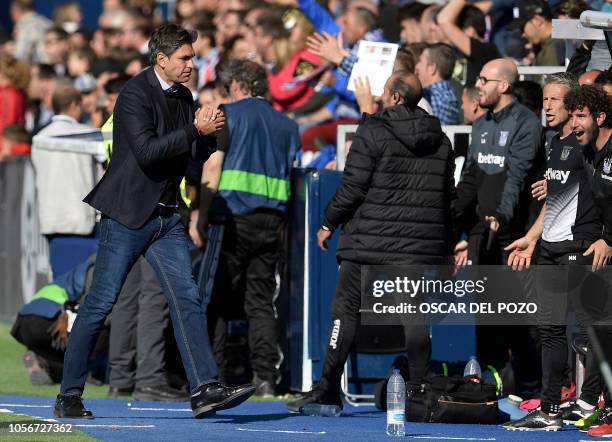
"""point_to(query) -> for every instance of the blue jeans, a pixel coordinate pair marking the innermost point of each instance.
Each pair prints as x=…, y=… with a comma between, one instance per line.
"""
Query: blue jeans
x=164, y=244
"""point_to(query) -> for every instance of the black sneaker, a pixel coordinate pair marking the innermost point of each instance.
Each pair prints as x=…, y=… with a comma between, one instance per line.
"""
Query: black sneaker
x=71, y=406
x=213, y=397
x=536, y=421
x=318, y=395
x=573, y=413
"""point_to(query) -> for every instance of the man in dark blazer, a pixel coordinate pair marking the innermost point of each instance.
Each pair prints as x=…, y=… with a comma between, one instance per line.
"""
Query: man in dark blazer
x=154, y=135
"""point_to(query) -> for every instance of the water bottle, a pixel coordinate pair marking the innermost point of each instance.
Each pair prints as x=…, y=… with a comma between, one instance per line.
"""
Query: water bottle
x=396, y=404
x=326, y=410
x=472, y=370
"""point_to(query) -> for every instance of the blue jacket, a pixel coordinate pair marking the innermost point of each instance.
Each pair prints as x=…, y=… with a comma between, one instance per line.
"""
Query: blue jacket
x=258, y=161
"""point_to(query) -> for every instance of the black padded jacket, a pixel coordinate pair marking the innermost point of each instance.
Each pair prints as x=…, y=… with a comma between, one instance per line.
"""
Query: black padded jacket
x=396, y=192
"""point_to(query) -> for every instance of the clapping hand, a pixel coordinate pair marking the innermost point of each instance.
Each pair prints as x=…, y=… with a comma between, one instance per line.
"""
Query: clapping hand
x=209, y=120
x=327, y=47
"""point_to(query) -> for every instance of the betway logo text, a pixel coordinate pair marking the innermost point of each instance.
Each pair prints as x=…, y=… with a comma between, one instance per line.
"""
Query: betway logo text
x=491, y=159
x=557, y=175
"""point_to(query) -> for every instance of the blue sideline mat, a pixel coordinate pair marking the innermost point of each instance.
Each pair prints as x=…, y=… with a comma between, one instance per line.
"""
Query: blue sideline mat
x=255, y=421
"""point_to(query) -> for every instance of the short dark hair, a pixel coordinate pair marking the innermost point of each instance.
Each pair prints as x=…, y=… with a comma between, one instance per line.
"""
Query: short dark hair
x=167, y=38
x=604, y=78
x=64, y=97
x=416, y=49
x=529, y=94
x=404, y=60
x=114, y=85
x=252, y=77
x=443, y=57
x=472, y=16
x=229, y=43
x=367, y=18
x=271, y=26
x=59, y=32
x=471, y=91
x=409, y=94
x=413, y=11
x=207, y=32
x=592, y=97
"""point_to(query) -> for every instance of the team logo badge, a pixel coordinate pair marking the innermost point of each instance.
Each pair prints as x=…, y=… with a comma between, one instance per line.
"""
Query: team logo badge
x=503, y=137
x=565, y=152
x=483, y=137
x=607, y=165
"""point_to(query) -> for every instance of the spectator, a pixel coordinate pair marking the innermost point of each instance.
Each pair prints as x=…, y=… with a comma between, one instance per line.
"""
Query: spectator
x=90, y=95
x=54, y=155
x=464, y=25
x=81, y=38
x=112, y=89
x=534, y=20
x=228, y=26
x=529, y=94
x=257, y=146
x=396, y=169
x=238, y=47
x=409, y=17
x=213, y=96
x=79, y=62
x=15, y=142
x=431, y=32
x=135, y=34
x=40, y=93
x=14, y=79
x=135, y=65
x=206, y=54
x=295, y=74
x=30, y=29
x=68, y=16
x=56, y=49
x=434, y=69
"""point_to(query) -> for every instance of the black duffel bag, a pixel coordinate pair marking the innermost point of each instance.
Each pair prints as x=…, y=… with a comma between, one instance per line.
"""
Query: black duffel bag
x=451, y=400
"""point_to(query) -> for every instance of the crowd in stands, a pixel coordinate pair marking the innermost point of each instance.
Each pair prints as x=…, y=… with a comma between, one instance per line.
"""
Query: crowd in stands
x=309, y=49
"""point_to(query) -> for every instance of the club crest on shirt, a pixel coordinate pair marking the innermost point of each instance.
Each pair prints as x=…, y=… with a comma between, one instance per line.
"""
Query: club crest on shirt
x=607, y=165
x=565, y=152
x=503, y=137
x=303, y=67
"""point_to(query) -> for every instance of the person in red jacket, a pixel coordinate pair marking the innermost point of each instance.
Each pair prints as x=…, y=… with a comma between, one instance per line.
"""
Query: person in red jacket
x=294, y=69
x=14, y=79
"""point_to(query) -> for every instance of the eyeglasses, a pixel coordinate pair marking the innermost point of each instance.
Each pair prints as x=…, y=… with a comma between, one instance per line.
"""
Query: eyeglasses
x=484, y=80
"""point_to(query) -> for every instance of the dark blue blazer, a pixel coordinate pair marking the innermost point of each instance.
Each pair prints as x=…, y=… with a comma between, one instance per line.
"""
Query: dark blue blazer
x=149, y=148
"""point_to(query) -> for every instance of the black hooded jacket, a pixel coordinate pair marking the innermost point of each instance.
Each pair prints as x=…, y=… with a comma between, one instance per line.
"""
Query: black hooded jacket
x=395, y=197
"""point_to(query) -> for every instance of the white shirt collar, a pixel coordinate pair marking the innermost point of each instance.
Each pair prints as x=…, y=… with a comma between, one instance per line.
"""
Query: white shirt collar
x=165, y=86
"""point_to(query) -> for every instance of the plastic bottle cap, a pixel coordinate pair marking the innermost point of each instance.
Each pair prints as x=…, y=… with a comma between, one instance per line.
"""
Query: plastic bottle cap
x=396, y=371
x=472, y=358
